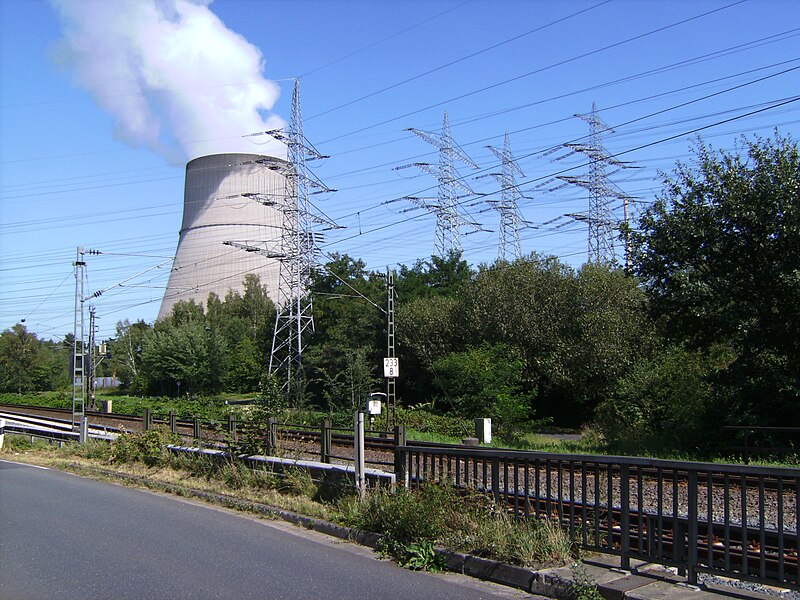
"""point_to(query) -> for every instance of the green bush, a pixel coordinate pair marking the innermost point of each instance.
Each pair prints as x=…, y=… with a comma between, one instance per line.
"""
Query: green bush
x=148, y=447
x=425, y=421
x=667, y=402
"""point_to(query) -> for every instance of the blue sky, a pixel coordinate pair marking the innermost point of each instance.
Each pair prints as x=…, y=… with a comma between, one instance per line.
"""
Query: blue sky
x=657, y=70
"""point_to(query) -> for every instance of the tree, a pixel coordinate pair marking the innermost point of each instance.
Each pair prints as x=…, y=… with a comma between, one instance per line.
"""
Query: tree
x=126, y=352
x=186, y=358
x=343, y=356
x=486, y=382
x=719, y=256
x=435, y=277
x=21, y=364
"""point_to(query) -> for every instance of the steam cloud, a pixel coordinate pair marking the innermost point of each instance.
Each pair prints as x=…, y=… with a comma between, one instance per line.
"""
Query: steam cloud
x=169, y=71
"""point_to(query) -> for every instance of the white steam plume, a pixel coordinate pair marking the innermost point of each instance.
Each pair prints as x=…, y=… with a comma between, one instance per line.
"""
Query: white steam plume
x=169, y=71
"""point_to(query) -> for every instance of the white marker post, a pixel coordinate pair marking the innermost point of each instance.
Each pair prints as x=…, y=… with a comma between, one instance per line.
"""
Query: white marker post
x=2, y=432
x=361, y=479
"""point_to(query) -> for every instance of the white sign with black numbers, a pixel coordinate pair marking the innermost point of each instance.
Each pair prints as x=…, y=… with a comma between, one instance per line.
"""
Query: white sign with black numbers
x=391, y=367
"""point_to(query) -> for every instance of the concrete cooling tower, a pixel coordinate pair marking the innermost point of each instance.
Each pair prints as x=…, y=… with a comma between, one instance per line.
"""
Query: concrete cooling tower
x=221, y=204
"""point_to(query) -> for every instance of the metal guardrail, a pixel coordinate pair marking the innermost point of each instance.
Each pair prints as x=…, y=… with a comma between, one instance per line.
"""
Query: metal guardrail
x=731, y=520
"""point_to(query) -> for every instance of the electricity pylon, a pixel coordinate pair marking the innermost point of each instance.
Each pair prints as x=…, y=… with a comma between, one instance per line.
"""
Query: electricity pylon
x=296, y=251
x=507, y=205
x=600, y=217
x=446, y=206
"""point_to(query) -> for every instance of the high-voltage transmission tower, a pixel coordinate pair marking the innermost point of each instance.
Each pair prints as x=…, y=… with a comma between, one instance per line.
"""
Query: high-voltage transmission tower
x=509, y=247
x=296, y=252
x=600, y=217
x=446, y=206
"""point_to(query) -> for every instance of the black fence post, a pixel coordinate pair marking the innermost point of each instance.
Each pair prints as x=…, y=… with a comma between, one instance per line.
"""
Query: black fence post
x=399, y=457
x=196, y=428
x=173, y=425
x=625, y=515
x=747, y=446
x=147, y=419
x=325, y=442
x=496, y=479
x=693, y=558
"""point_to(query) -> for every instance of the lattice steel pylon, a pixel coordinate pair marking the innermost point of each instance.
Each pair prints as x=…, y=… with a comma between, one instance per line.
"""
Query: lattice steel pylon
x=447, y=205
x=600, y=217
x=298, y=255
x=507, y=206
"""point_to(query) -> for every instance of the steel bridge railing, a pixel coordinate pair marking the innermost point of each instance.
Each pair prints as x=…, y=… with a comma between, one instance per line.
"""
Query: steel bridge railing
x=732, y=520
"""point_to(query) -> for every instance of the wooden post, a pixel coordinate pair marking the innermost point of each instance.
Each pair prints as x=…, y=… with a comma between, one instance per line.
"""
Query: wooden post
x=173, y=422
x=231, y=429
x=196, y=428
x=147, y=419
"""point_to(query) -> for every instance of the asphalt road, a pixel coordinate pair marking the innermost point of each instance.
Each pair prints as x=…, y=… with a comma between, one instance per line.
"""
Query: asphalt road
x=63, y=536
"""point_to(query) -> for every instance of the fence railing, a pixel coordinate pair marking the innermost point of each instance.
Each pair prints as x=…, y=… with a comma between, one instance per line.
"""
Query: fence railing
x=732, y=520
x=764, y=442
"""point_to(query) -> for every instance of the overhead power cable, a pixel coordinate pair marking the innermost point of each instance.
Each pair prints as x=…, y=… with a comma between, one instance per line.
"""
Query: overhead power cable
x=783, y=102
x=535, y=71
x=460, y=60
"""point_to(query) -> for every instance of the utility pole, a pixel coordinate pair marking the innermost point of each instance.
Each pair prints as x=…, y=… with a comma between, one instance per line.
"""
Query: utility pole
x=391, y=378
x=449, y=216
x=78, y=344
x=92, y=357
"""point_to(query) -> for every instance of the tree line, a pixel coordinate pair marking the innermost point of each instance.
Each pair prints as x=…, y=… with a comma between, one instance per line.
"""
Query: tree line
x=702, y=330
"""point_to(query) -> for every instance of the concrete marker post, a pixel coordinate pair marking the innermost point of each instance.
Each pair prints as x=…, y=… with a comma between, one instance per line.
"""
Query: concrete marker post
x=2, y=432
x=84, y=435
x=359, y=454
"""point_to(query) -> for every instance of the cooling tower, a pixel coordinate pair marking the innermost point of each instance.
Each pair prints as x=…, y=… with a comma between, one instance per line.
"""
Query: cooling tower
x=223, y=202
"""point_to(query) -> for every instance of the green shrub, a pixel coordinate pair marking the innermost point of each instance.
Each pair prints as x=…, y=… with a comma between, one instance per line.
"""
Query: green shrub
x=148, y=447
x=425, y=421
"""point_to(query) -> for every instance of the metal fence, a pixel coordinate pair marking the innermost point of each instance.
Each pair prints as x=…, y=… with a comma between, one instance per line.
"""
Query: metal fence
x=732, y=520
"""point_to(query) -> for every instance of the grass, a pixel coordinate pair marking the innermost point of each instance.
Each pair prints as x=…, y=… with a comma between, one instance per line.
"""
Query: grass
x=289, y=491
x=412, y=521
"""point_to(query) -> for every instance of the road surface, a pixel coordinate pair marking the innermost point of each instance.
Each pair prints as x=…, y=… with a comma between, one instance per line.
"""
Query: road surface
x=63, y=536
